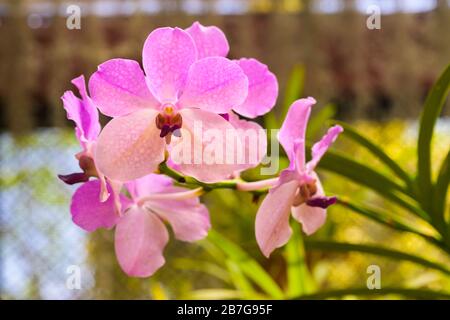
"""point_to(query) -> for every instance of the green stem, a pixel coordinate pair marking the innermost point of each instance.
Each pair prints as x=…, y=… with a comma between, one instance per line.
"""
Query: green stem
x=191, y=182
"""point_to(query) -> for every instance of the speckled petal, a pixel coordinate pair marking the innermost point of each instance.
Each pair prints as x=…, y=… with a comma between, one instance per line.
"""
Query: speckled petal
x=262, y=89
x=168, y=53
x=139, y=242
x=118, y=88
x=210, y=40
x=215, y=84
x=129, y=147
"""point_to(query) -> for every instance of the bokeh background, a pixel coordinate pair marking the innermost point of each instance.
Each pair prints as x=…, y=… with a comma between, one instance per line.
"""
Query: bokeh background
x=375, y=79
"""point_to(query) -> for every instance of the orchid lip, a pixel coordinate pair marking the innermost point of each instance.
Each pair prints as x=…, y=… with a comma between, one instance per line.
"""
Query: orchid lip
x=321, y=202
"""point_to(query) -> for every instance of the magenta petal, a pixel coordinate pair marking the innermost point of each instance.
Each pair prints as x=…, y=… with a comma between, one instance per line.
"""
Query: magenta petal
x=139, y=242
x=272, y=220
x=168, y=53
x=129, y=147
x=292, y=132
x=188, y=218
x=321, y=147
x=262, y=89
x=202, y=151
x=210, y=41
x=118, y=88
x=253, y=138
x=311, y=218
x=88, y=212
x=215, y=84
x=83, y=112
x=152, y=183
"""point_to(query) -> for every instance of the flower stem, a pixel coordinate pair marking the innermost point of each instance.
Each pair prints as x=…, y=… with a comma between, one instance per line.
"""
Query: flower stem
x=257, y=187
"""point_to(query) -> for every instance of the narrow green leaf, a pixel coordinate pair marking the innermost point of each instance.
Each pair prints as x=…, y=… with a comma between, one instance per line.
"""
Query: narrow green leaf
x=249, y=267
x=441, y=188
x=432, y=108
x=410, y=293
x=379, y=251
x=204, y=267
x=299, y=280
x=370, y=178
x=390, y=221
x=239, y=280
x=294, y=88
x=353, y=134
x=316, y=122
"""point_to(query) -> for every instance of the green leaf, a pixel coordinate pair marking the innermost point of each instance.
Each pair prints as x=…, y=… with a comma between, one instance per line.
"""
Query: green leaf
x=441, y=188
x=299, y=280
x=249, y=267
x=411, y=293
x=370, y=178
x=204, y=267
x=389, y=220
x=294, y=88
x=316, y=122
x=432, y=108
x=379, y=251
x=240, y=281
x=351, y=133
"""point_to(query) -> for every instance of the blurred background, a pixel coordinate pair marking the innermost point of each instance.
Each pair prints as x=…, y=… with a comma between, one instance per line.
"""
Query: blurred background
x=375, y=79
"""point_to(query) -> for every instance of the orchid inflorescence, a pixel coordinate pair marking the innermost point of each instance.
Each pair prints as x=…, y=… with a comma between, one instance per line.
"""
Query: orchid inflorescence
x=175, y=133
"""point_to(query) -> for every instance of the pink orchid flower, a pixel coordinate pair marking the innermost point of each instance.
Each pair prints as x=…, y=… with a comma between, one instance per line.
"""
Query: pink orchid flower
x=262, y=84
x=298, y=190
x=176, y=90
x=87, y=128
x=140, y=235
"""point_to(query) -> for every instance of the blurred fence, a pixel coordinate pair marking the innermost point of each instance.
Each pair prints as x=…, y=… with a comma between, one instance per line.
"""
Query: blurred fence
x=375, y=73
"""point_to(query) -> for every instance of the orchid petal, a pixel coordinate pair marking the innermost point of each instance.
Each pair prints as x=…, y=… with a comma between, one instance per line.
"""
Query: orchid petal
x=118, y=88
x=215, y=84
x=83, y=112
x=139, y=242
x=168, y=53
x=129, y=147
x=272, y=220
x=210, y=41
x=321, y=147
x=293, y=130
x=262, y=89
x=253, y=138
x=188, y=218
x=207, y=141
x=149, y=184
x=311, y=218
x=88, y=212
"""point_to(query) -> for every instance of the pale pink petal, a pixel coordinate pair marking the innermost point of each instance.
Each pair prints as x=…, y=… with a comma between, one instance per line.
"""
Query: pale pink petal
x=293, y=130
x=152, y=183
x=129, y=147
x=321, y=147
x=311, y=218
x=88, y=212
x=272, y=220
x=83, y=112
x=253, y=138
x=207, y=147
x=262, y=89
x=168, y=53
x=139, y=242
x=210, y=41
x=215, y=84
x=118, y=88
x=189, y=218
